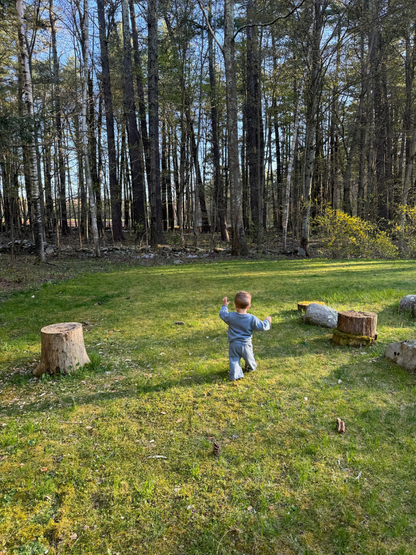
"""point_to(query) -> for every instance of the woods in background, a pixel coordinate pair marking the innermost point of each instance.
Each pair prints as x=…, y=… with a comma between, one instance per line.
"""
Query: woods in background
x=216, y=117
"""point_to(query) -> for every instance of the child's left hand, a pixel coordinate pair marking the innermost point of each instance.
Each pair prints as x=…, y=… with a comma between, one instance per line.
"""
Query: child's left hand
x=225, y=301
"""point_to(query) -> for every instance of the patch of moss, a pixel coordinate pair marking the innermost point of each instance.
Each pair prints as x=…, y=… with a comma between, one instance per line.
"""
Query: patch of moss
x=341, y=338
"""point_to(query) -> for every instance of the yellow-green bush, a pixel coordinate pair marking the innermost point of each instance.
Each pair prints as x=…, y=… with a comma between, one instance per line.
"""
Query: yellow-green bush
x=406, y=231
x=346, y=236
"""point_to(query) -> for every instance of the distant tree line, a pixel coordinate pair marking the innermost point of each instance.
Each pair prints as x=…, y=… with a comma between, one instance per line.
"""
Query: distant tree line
x=215, y=117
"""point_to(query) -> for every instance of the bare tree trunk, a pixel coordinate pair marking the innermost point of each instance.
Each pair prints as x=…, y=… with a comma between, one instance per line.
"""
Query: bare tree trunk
x=136, y=161
x=252, y=120
x=164, y=177
x=238, y=239
x=313, y=90
x=57, y=95
x=219, y=214
x=87, y=168
x=182, y=163
x=28, y=93
x=140, y=89
x=200, y=189
x=156, y=228
x=92, y=143
x=291, y=162
x=171, y=215
x=115, y=189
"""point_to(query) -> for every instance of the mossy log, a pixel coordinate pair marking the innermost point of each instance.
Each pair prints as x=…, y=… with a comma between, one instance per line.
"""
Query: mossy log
x=304, y=305
x=357, y=323
x=340, y=338
x=62, y=349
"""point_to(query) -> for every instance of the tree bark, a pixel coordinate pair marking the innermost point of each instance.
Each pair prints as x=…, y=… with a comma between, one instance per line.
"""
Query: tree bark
x=136, y=161
x=115, y=189
x=62, y=349
x=291, y=163
x=87, y=167
x=238, y=239
x=200, y=193
x=220, y=211
x=140, y=89
x=28, y=94
x=156, y=228
x=65, y=229
x=313, y=90
x=252, y=120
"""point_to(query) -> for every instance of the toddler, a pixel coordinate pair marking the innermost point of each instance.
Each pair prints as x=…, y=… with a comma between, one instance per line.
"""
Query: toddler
x=240, y=328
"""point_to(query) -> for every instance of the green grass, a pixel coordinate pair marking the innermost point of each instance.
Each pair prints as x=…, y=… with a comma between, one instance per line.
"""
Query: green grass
x=81, y=469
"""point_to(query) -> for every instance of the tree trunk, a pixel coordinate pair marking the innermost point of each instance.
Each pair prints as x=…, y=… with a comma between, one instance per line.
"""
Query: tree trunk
x=28, y=93
x=136, y=161
x=164, y=177
x=291, y=163
x=62, y=349
x=140, y=89
x=87, y=167
x=200, y=189
x=355, y=328
x=65, y=229
x=156, y=228
x=238, y=239
x=92, y=142
x=115, y=189
x=252, y=120
x=313, y=90
x=219, y=214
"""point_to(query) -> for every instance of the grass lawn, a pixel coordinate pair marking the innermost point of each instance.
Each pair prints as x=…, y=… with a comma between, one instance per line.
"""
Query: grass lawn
x=117, y=458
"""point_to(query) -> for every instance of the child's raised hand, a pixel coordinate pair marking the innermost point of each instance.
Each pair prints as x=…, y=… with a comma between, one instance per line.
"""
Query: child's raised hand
x=225, y=301
x=269, y=318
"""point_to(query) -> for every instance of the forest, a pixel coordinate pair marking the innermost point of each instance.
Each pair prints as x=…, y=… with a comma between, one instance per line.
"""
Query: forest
x=234, y=118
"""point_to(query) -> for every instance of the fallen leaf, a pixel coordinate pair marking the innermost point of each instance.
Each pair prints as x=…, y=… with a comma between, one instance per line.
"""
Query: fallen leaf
x=163, y=412
x=179, y=420
x=73, y=536
x=44, y=469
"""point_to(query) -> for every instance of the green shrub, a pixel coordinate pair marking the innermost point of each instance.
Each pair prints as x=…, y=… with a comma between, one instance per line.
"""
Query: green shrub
x=406, y=231
x=349, y=236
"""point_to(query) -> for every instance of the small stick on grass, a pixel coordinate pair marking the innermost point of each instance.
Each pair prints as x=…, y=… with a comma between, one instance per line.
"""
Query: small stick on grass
x=340, y=426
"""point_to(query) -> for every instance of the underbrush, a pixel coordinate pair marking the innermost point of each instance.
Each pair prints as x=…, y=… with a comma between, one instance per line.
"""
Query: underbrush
x=347, y=236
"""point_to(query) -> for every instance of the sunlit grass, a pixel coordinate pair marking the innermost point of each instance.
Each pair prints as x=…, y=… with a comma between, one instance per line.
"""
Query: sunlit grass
x=117, y=457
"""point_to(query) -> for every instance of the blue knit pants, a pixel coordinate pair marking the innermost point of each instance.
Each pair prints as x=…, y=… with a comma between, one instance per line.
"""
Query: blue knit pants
x=239, y=350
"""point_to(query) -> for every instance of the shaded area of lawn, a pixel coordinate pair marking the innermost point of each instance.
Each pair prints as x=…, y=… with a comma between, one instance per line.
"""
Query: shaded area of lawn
x=117, y=458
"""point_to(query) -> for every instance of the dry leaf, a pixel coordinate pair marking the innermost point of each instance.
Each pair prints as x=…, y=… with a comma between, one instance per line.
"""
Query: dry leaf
x=73, y=536
x=179, y=420
x=44, y=469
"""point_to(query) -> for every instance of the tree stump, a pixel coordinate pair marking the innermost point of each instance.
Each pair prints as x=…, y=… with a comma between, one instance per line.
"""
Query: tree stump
x=62, y=349
x=355, y=328
x=304, y=305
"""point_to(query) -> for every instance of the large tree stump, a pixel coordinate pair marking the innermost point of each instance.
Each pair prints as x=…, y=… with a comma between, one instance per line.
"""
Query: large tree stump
x=62, y=349
x=355, y=328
